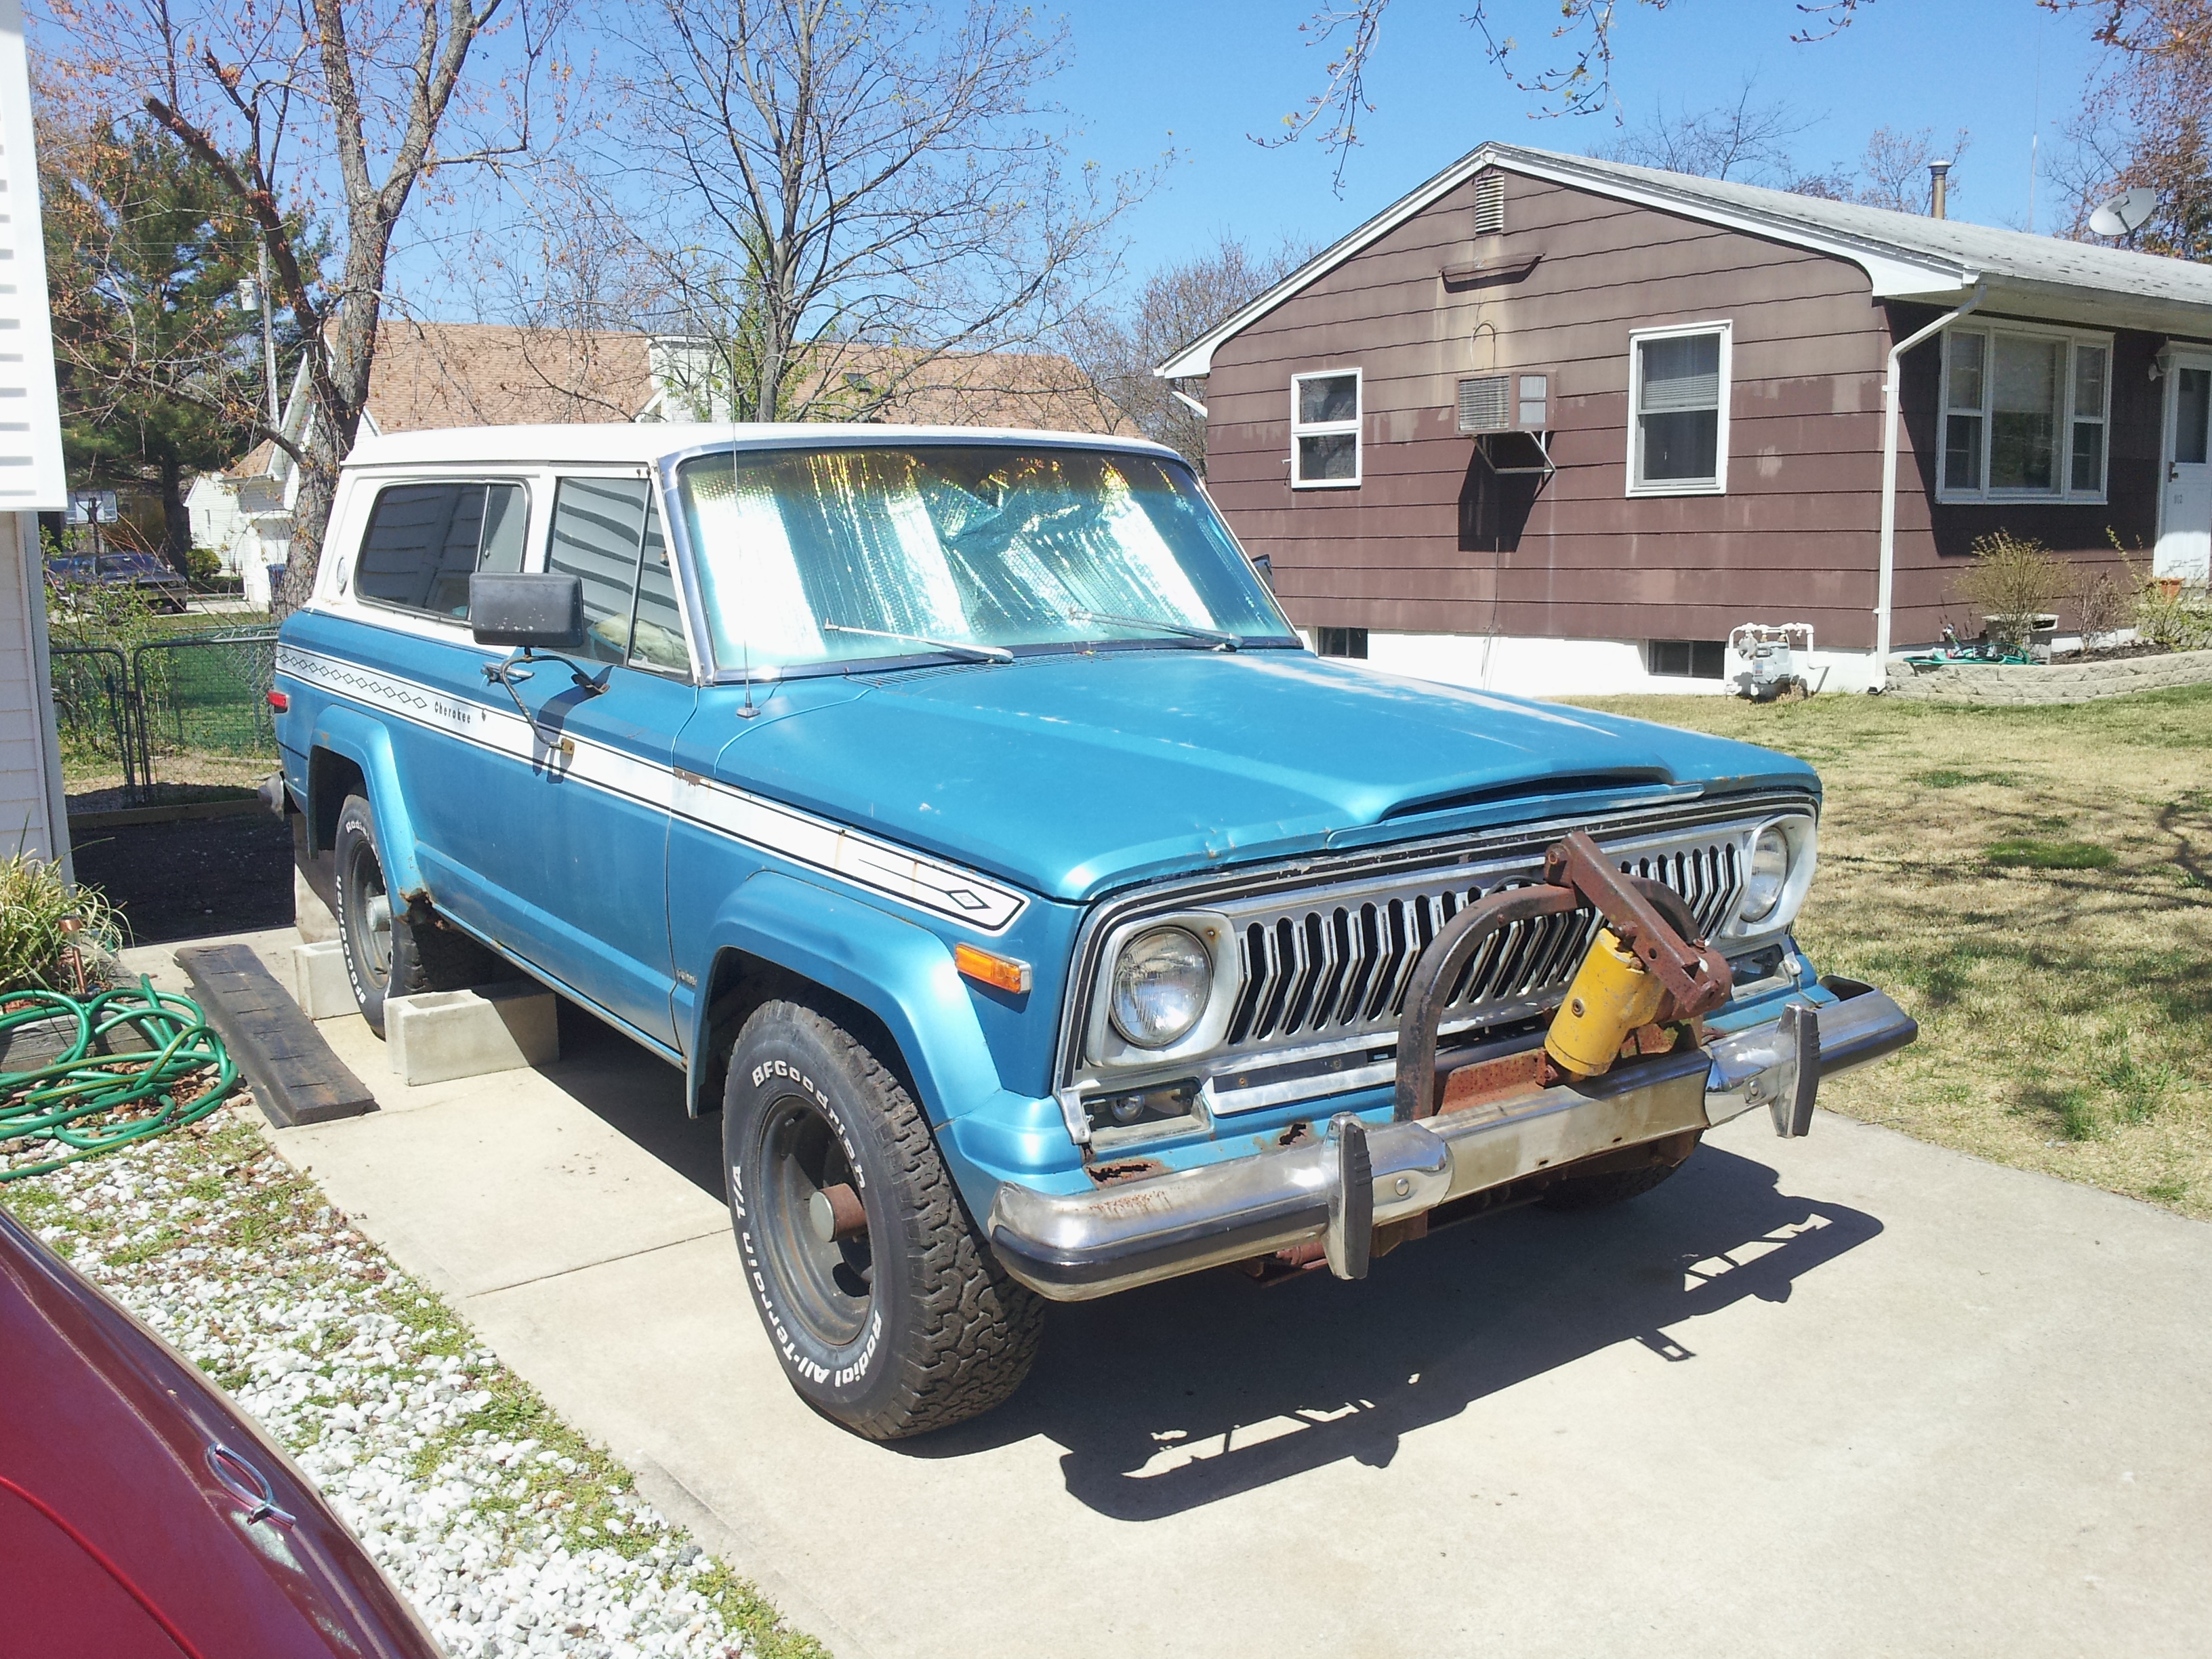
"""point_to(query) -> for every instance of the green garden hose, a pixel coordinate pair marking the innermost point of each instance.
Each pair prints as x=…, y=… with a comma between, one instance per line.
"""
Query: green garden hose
x=84, y=1103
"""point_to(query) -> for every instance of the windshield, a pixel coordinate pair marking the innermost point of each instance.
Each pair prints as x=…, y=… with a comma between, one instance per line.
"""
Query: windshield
x=823, y=555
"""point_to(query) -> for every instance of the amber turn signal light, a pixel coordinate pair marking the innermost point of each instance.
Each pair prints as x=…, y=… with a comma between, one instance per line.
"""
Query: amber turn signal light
x=999, y=972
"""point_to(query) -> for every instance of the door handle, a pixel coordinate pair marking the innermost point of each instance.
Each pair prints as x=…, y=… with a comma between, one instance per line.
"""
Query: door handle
x=2172, y=472
x=248, y=1484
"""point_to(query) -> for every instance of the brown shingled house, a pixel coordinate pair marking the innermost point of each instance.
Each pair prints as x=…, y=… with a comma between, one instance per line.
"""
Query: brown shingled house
x=449, y=374
x=1552, y=424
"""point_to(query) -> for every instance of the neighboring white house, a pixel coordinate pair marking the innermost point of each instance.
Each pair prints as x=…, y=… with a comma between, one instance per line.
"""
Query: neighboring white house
x=33, y=811
x=438, y=374
x=451, y=374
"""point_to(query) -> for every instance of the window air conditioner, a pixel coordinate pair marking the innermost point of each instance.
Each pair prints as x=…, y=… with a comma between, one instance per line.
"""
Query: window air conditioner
x=1507, y=415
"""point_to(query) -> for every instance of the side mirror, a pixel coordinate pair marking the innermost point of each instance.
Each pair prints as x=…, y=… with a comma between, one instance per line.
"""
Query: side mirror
x=536, y=609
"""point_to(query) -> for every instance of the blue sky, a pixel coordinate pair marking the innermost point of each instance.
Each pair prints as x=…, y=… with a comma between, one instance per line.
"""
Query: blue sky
x=1146, y=75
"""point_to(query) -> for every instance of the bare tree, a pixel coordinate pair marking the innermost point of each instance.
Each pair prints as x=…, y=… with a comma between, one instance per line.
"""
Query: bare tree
x=1178, y=302
x=846, y=195
x=1893, y=173
x=2142, y=123
x=1749, y=141
x=1576, y=81
x=281, y=99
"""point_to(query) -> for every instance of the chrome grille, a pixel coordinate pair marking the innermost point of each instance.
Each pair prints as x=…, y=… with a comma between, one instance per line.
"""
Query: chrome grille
x=1336, y=965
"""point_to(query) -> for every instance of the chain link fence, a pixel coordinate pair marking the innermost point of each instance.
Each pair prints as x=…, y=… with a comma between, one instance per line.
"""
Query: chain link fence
x=193, y=708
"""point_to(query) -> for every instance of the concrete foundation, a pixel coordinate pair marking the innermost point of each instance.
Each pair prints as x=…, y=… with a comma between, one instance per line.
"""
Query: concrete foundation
x=442, y=1034
x=319, y=984
x=1547, y=667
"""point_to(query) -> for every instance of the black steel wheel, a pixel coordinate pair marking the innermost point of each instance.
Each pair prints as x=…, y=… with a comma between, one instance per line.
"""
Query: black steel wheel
x=391, y=952
x=886, y=1310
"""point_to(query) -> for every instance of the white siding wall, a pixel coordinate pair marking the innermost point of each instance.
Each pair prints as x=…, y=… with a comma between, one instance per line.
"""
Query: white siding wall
x=31, y=806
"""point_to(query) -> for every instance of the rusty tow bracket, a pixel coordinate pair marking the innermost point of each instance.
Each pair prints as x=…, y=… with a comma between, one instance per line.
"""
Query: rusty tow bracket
x=1649, y=918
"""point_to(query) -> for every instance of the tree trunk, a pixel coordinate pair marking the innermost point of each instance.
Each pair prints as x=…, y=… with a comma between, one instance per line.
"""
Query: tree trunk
x=330, y=431
x=176, y=521
x=311, y=517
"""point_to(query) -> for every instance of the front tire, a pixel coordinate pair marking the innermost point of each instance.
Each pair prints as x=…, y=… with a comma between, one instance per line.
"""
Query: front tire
x=886, y=1310
x=389, y=951
x=1598, y=1192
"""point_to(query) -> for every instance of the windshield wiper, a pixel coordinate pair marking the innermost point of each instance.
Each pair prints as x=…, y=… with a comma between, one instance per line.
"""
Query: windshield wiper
x=1213, y=638
x=972, y=653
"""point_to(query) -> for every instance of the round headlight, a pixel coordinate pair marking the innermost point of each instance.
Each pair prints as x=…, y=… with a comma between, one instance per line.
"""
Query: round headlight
x=1769, y=873
x=1161, y=983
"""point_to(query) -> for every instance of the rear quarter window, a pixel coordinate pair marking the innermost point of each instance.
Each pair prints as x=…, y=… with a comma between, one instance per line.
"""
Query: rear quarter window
x=425, y=540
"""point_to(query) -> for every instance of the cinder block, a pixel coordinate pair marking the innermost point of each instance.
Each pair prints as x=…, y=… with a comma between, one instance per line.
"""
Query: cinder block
x=442, y=1034
x=319, y=984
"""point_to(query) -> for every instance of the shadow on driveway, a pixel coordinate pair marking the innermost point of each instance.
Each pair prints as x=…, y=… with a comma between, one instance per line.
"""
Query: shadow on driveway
x=1171, y=1397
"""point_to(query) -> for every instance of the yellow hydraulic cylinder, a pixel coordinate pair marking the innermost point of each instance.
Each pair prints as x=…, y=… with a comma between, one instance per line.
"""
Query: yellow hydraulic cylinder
x=1612, y=996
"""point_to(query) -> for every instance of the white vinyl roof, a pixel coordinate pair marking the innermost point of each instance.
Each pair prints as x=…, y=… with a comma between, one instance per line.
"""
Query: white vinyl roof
x=1905, y=255
x=644, y=443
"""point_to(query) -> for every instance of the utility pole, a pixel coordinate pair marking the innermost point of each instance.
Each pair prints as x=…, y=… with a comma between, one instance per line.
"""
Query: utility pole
x=268, y=335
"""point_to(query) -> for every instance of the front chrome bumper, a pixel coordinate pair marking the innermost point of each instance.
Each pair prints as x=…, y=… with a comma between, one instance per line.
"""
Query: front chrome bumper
x=1072, y=1247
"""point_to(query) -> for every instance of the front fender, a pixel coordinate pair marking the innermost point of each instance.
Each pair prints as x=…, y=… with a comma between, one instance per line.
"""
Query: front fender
x=902, y=974
x=364, y=741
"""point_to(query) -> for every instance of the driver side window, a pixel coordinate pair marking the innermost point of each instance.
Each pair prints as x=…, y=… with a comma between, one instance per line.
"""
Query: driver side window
x=607, y=533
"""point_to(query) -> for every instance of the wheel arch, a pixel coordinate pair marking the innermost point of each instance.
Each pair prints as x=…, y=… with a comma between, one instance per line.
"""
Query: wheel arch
x=777, y=936
x=352, y=752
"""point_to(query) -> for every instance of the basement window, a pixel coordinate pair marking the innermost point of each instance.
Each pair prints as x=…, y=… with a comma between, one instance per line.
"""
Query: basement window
x=1325, y=431
x=1340, y=641
x=1689, y=660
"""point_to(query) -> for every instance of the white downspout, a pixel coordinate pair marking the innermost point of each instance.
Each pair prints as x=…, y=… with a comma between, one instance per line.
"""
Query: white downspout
x=1886, y=583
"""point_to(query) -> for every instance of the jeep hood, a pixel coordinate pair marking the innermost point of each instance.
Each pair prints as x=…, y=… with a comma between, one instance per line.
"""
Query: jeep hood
x=1073, y=774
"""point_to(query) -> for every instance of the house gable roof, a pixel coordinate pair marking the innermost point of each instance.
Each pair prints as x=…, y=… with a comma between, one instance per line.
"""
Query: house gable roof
x=1905, y=255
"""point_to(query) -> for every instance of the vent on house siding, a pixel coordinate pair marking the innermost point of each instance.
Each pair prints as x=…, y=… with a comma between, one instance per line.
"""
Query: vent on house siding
x=1486, y=404
x=1489, y=204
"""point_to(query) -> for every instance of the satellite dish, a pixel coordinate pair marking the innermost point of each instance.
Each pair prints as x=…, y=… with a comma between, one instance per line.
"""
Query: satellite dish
x=2124, y=213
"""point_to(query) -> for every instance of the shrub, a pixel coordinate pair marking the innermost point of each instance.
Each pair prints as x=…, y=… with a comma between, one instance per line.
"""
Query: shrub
x=2177, y=616
x=44, y=921
x=2012, y=580
x=2105, y=604
x=2174, y=614
x=203, y=564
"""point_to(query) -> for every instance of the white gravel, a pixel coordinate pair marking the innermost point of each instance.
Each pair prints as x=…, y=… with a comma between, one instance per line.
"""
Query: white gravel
x=508, y=1533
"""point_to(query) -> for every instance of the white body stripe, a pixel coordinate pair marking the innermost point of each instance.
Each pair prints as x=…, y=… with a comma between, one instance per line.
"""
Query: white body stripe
x=880, y=866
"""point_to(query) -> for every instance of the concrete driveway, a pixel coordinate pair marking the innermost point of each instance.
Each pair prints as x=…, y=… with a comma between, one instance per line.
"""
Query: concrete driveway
x=1853, y=1394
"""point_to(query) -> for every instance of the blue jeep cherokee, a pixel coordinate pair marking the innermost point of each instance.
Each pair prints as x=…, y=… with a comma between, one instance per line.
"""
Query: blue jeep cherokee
x=962, y=814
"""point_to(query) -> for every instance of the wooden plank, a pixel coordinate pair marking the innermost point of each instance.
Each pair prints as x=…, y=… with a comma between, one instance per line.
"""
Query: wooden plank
x=39, y=1042
x=296, y=1077
x=123, y=818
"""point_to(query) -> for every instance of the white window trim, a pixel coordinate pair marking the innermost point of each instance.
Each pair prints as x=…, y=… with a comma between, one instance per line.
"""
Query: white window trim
x=1718, y=485
x=344, y=597
x=1323, y=428
x=2064, y=466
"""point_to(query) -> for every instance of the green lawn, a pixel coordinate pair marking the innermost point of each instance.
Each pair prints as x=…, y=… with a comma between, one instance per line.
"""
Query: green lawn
x=2035, y=886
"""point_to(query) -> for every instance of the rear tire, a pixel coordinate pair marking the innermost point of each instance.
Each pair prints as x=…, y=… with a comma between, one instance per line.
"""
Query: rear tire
x=391, y=951
x=899, y=1320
